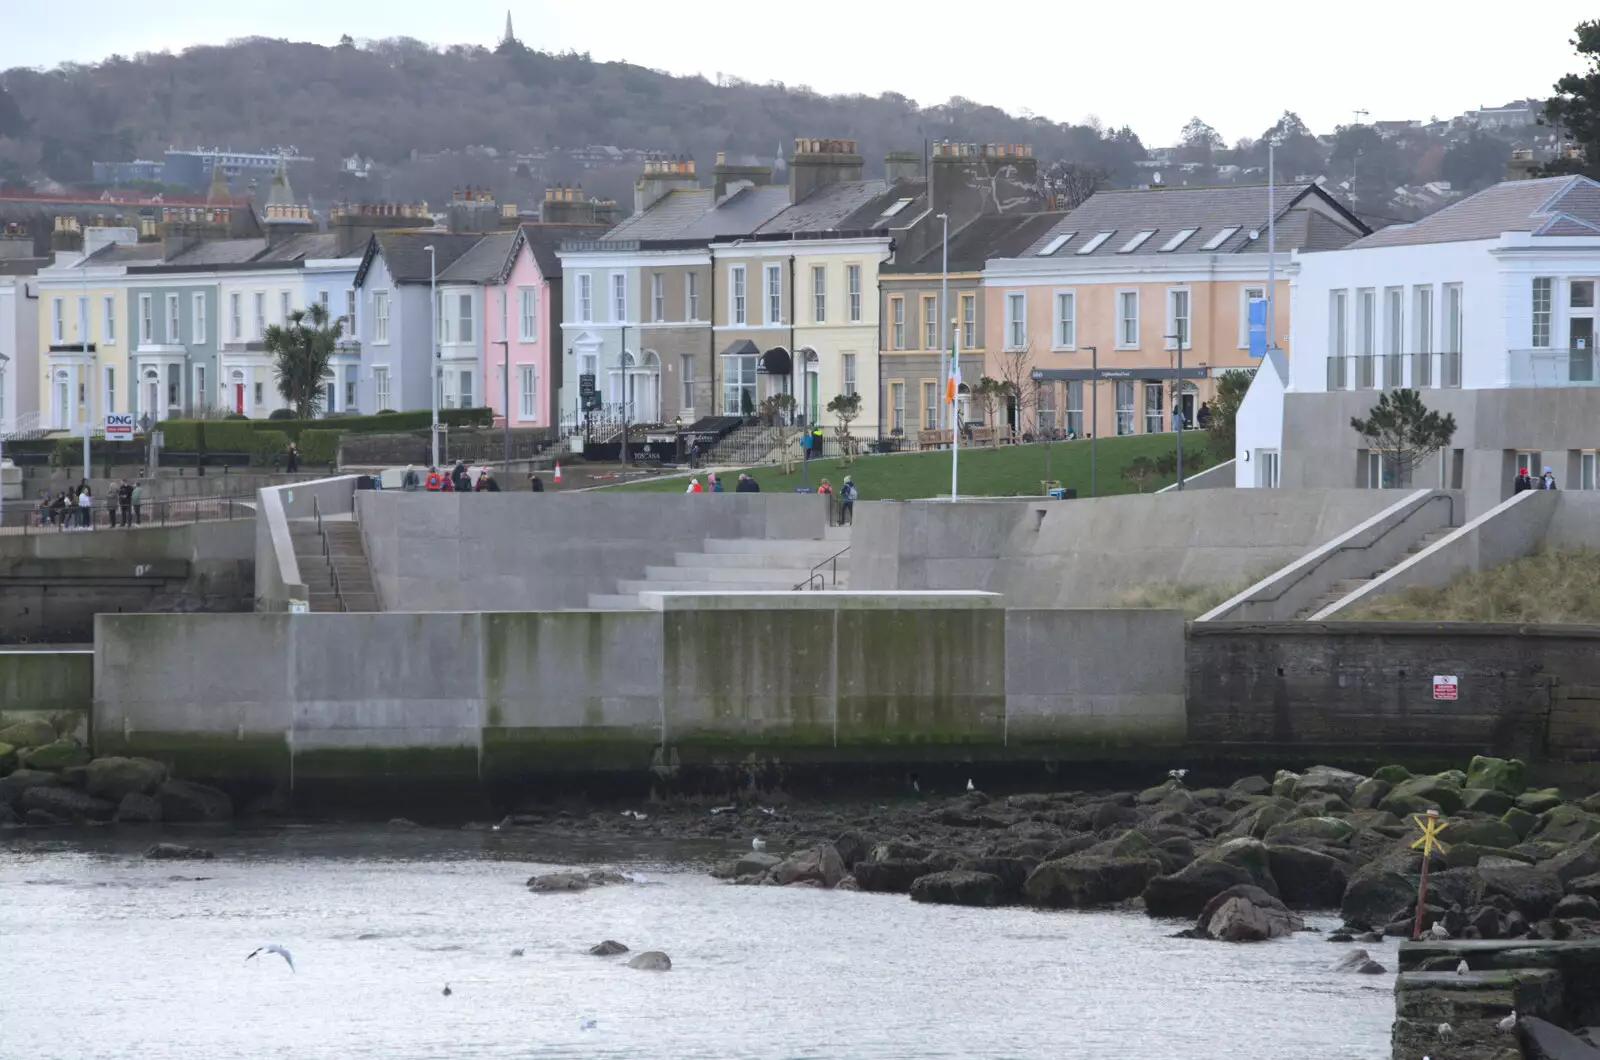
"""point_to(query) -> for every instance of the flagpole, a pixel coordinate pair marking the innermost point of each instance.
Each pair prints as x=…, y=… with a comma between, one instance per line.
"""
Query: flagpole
x=955, y=403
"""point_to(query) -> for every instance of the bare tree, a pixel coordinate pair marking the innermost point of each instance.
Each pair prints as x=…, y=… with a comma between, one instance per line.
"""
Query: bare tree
x=1071, y=183
x=1016, y=377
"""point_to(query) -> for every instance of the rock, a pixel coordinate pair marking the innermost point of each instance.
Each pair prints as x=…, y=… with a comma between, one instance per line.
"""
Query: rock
x=1576, y=861
x=57, y=755
x=1012, y=872
x=68, y=803
x=1482, y=833
x=848, y=884
x=1311, y=830
x=1520, y=821
x=959, y=887
x=1246, y=914
x=608, y=948
x=651, y=961
x=12, y=787
x=138, y=809
x=1375, y=896
x=1110, y=814
x=1088, y=880
x=1465, y=855
x=755, y=862
x=113, y=777
x=1566, y=824
x=35, y=732
x=1391, y=774
x=1406, y=805
x=821, y=864
x=558, y=881
x=1250, y=855
x=1532, y=890
x=1308, y=879
x=1341, y=936
x=8, y=758
x=1505, y=775
x=895, y=850
x=894, y=876
x=1542, y=1040
x=1322, y=804
x=1283, y=783
x=1327, y=780
x=402, y=822
x=1577, y=907
x=1255, y=821
x=1437, y=790
x=1251, y=786
x=177, y=852
x=1186, y=892
x=1486, y=800
x=1358, y=961
x=853, y=848
x=9, y=817
x=186, y=803
x=1369, y=793
x=1539, y=800
x=44, y=819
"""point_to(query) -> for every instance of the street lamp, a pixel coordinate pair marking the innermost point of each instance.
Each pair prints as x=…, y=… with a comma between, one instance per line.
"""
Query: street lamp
x=1272, y=245
x=1177, y=397
x=433, y=384
x=1094, y=417
x=88, y=390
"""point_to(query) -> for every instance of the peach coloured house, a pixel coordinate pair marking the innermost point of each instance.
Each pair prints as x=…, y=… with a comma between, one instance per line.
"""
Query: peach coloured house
x=1099, y=305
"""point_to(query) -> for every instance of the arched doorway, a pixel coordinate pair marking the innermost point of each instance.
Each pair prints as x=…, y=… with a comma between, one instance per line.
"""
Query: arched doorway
x=63, y=402
x=150, y=394
x=638, y=384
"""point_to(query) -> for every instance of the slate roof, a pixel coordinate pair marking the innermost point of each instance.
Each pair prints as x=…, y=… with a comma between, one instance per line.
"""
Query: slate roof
x=670, y=215
x=989, y=236
x=119, y=253
x=216, y=252
x=874, y=213
x=303, y=246
x=545, y=239
x=484, y=261
x=740, y=214
x=827, y=208
x=1211, y=211
x=1549, y=206
x=22, y=266
x=405, y=257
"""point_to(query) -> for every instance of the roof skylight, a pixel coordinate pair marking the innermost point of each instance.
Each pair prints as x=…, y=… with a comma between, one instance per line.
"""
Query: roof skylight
x=1055, y=244
x=1094, y=244
x=1136, y=242
x=1178, y=240
x=896, y=208
x=1220, y=238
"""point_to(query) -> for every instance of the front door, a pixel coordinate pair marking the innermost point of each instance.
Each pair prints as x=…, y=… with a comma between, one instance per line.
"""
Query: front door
x=238, y=398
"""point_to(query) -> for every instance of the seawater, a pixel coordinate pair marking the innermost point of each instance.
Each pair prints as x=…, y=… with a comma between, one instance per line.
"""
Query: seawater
x=106, y=955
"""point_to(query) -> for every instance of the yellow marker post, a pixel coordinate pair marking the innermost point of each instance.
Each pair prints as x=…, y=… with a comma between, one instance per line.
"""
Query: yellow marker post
x=1429, y=842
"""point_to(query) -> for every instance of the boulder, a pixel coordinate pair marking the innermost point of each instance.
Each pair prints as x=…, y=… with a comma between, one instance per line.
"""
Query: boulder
x=894, y=876
x=138, y=809
x=1250, y=855
x=1532, y=890
x=1589, y=885
x=608, y=948
x=8, y=758
x=1369, y=793
x=1539, y=800
x=1283, y=783
x=1255, y=821
x=1391, y=774
x=1520, y=821
x=12, y=786
x=1406, y=805
x=1246, y=914
x=1505, y=775
x=1185, y=893
x=1486, y=800
x=1311, y=830
x=959, y=887
x=114, y=776
x=651, y=961
x=821, y=864
x=177, y=852
x=1088, y=880
x=1542, y=1040
x=853, y=847
x=1322, y=804
x=1073, y=844
x=1308, y=879
x=895, y=850
x=9, y=817
x=68, y=803
x=1376, y=896
x=1438, y=790
x=186, y=803
x=555, y=882
x=34, y=732
x=1011, y=872
x=55, y=756
x=1465, y=855
x=44, y=819
x=1326, y=780
x=1358, y=961
x=755, y=862
x=1566, y=824
x=1109, y=814
x=1490, y=833
x=1577, y=907
x=1251, y=786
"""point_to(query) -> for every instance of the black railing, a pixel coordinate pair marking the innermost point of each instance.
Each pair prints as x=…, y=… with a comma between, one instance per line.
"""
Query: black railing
x=24, y=517
x=823, y=574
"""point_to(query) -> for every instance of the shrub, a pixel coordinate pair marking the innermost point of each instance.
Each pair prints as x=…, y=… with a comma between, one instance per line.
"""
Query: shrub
x=181, y=436
x=228, y=436
x=319, y=446
x=67, y=452
x=266, y=446
x=387, y=412
x=236, y=416
x=280, y=414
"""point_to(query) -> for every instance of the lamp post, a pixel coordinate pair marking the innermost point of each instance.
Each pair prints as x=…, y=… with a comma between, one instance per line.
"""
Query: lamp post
x=433, y=382
x=1177, y=392
x=505, y=378
x=1094, y=417
x=944, y=300
x=5, y=422
x=1272, y=246
x=88, y=390
x=624, y=360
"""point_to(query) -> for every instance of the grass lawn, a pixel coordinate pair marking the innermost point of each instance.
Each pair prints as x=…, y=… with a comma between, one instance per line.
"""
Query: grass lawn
x=1007, y=471
x=1555, y=585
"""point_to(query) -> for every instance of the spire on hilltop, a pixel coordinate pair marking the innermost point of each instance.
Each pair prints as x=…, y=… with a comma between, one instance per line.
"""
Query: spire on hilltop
x=509, y=37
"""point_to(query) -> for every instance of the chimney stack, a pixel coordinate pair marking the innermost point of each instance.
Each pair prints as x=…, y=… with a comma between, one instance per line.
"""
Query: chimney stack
x=663, y=175
x=968, y=180
x=727, y=179
x=902, y=165
x=354, y=223
x=185, y=227
x=816, y=162
x=68, y=234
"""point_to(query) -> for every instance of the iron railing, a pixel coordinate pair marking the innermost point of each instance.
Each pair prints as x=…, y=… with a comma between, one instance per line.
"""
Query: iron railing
x=27, y=517
x=1552, y=367
x=824, y=574
x=327, y=553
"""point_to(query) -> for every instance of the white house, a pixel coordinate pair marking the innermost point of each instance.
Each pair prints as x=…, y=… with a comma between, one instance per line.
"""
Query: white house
x=1258, y=426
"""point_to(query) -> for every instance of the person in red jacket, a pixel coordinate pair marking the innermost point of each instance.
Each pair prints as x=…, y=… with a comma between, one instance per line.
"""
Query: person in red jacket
x=434, y=480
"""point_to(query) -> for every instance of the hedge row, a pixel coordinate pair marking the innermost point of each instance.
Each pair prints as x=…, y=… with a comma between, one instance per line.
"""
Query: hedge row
x=210, y=433
x=319, y=446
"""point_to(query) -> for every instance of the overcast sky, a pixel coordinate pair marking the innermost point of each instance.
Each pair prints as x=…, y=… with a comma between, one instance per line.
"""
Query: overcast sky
x=1150, y=65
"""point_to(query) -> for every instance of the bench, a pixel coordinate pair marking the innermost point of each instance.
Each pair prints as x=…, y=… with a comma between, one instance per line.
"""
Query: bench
x=981, y=436
x=933, y=439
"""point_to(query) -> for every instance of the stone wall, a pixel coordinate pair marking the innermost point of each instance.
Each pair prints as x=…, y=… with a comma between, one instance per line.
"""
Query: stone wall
x=47, y=684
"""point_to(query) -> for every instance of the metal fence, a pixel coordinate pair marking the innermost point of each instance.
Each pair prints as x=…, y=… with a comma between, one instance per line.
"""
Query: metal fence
x=27, y=517
x=1552, y=366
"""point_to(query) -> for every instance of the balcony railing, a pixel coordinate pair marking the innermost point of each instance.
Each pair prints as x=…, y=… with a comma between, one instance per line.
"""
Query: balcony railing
x=1387, y=371
x=1558, y=366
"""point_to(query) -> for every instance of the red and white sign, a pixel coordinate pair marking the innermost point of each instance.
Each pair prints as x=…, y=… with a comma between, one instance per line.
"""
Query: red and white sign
x=1446, y=687
x=119, y=426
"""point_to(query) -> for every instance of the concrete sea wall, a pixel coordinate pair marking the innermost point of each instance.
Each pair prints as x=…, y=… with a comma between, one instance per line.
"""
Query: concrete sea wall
x=51, y=684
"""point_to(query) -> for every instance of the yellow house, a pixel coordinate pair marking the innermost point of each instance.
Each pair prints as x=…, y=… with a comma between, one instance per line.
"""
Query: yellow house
x=82, y=301
x=836, y=324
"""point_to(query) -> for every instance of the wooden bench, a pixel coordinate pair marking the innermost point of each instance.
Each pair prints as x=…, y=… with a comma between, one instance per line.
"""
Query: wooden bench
x=981, y=436
x=933, y=439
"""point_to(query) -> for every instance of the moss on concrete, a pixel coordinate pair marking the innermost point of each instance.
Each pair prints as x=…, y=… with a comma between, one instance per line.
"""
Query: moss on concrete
x=355, y=763
x=205, y=756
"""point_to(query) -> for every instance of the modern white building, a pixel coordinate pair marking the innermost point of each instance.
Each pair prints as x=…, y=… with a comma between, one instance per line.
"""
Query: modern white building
x=1487, y=308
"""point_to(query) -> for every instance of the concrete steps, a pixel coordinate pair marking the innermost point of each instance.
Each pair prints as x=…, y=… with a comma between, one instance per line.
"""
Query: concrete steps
x=740, y=565
x=341, y=579
x=1344, y=588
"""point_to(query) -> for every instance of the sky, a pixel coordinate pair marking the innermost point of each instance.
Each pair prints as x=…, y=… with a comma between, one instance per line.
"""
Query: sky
x=1151, y=65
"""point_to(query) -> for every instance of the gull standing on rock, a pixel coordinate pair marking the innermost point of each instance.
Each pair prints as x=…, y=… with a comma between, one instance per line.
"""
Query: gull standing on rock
x=1509, y=1023
x=447, y=990
x=1462, y=969
x=273, y=947
x=1446, y=1032
x=758, y=844
x=970, y=785
x=1438, y=930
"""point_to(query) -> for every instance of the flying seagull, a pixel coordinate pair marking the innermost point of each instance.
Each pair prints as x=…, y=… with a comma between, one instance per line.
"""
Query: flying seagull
x=1509, y=1023
x=1439, y=931
x=273, y=947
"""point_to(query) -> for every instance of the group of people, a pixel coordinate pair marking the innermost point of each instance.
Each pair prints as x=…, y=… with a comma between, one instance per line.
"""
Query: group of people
x=456, y=480
x=73, y=508
x=713, y=484
x=746, y=484
x=1546, y=481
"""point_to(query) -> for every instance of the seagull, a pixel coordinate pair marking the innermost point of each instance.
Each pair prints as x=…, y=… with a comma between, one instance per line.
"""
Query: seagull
x=517, y=952
x=1509, y=1023
x=1446, y=1032
x=721, y=809
x=758, y=844
x=588, y=1025
x=273, y=947
x=1177, y=774
x=1438, y=930
x=1462, y=969
x=769, y=811
x=447, y=990
x=970, y=785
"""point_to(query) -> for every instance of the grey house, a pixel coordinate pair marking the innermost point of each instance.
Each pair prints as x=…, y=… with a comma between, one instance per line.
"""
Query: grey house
x=395, y=315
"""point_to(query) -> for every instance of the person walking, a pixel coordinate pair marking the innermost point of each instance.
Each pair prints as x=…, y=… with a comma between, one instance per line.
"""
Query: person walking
x=847, y=502
x=1547, y=481
x=58, y=511
x=125, y=502
x=138, y=502
x=410, y=480
x=746, y=484
x=435, y=481
x=42, y=512
x=461, y=478
x=826, y=490
x=1202, y=418
x=291, y=460
x=85, y=509
x=1521, y=482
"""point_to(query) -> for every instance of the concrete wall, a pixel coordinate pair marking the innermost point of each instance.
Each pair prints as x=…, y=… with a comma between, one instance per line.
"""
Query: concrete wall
x=1366, y=688
x=277, y=572
x=1360, y=552
x=56, y=685
x=52, y=584
x=538, y=552
x=1217, y=477
x=1086, y=553
x=1575, y=522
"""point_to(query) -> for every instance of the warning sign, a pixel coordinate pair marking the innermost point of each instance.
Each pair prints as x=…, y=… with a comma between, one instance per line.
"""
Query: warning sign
x=1445, y=687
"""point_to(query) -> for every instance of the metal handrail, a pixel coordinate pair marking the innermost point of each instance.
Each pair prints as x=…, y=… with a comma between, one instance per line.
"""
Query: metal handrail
x=26, y=518
x=327, y=554
x=832, y=562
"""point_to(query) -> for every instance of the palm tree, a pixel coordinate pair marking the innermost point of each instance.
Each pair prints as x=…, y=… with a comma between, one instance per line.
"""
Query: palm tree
x=301, y=351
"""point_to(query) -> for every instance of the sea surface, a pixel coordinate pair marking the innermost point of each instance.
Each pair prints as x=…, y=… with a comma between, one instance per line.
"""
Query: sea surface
x=106, y=955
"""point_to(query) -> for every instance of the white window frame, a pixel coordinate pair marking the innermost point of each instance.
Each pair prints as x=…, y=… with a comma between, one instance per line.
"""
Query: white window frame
x=527, y=314
x=1422, y=319
x=197, y=392
x=691, y=295
x=466, y=320
x=260, y=315
x=1016, y=320
x=686, y=378
x=1180, y=324
x=1454, y=319
x=1126, y=412
x=658, y=297
x=108, y=389
x=585, y=298
x=1269, y=469
x=930, y=405
x=58, y=321
x=1248, y=295
x=1544, y=295
x=930, y=324
x=897, y=323
x=350, y=312
x=1366, y=337
x=1064, y=330
x=738, y=297
x=285, y=307
x=527, y=392
x=852, y=281
x=969, y=321
x=108, y=320
x=380, y=320
x=147, y=320
x=1588, y=470
x=82, y=319
x=197, y=317
x=847, y=373
x=819, y=294
x=897, y=405
x=380, y=387
x=772, y=291
x=619, y=298
x=174, y=319
x=236, y=316
x=1123, y=319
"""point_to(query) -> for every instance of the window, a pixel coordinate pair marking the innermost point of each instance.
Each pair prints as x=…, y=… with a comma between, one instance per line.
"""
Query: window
x=1542, y=287
x=349, y=388
x=322, y=296
x=819, y=294
x=1454, y=328
x=969, y=322
x=1366, y=324
x=1055, y=244
x=108, y=396
x=897, y=323
x=380, y=387
x=1586, y=469
x=1074, y=423
x=852, y=279
x=1178, y=240
x=197, y=319
x=1136, y=242
x=899, y=204
x=1338, y=339
x=261, y=315
x=1247, y=297
x=619, y=298
x=585, y=298
x=739, y=386
x=897, y=405
x=465, y=330
x=283, y=307
x=930, y=324
x=741, y=313
x=930, y=406
x=260, y=394
x=464, y=391
x=686, y=377
x=1267, y=469
x=847, y=372
x=1016, y=320
x=235, y=318
x=1128, y=320
x=527, y=314
x=350, y=312
x=1582, y=294
x=692, y=295
x=1178, y=319
x=526, y=394
x=108, y=320
x=1124, y=406
x=1045, y=408
x=1066, y=320
x=1381, y=472
x=198, y=395
x=658, y=297
x=58, y=324
x=1422, y=329
x=83, y=319
x=174, y=320
x=1220, y=238
x=1152, y=408
x=1094, y=244
x=174, y=387
x=774, y=287
x=1394, y=335
x=588, y=362
x=147, y=324
x=380, y=321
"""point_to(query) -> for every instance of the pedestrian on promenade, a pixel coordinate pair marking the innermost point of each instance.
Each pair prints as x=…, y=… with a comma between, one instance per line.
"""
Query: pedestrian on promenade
x=694, y=486
x=716, y=482
x=447, y=483
x=410, y=480
x=138, y=502
x=58, y=511
x=460, y=478
x=43, y=511
x=1547, y=481
x=85, y=511
x=826, y=490
x=435, y=480
x=847, y=502
x=1521, y=481
x=535, y=483
x=125, y=502
x=292, y=459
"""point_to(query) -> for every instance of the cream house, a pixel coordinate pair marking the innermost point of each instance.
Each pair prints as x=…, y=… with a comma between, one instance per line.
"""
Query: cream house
x=249, y=302
x=82, y=301
x=836, y=324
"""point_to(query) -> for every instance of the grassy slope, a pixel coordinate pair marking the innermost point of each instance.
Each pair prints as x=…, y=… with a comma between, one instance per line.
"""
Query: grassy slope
x=1008, y=471
x=1559, y=585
